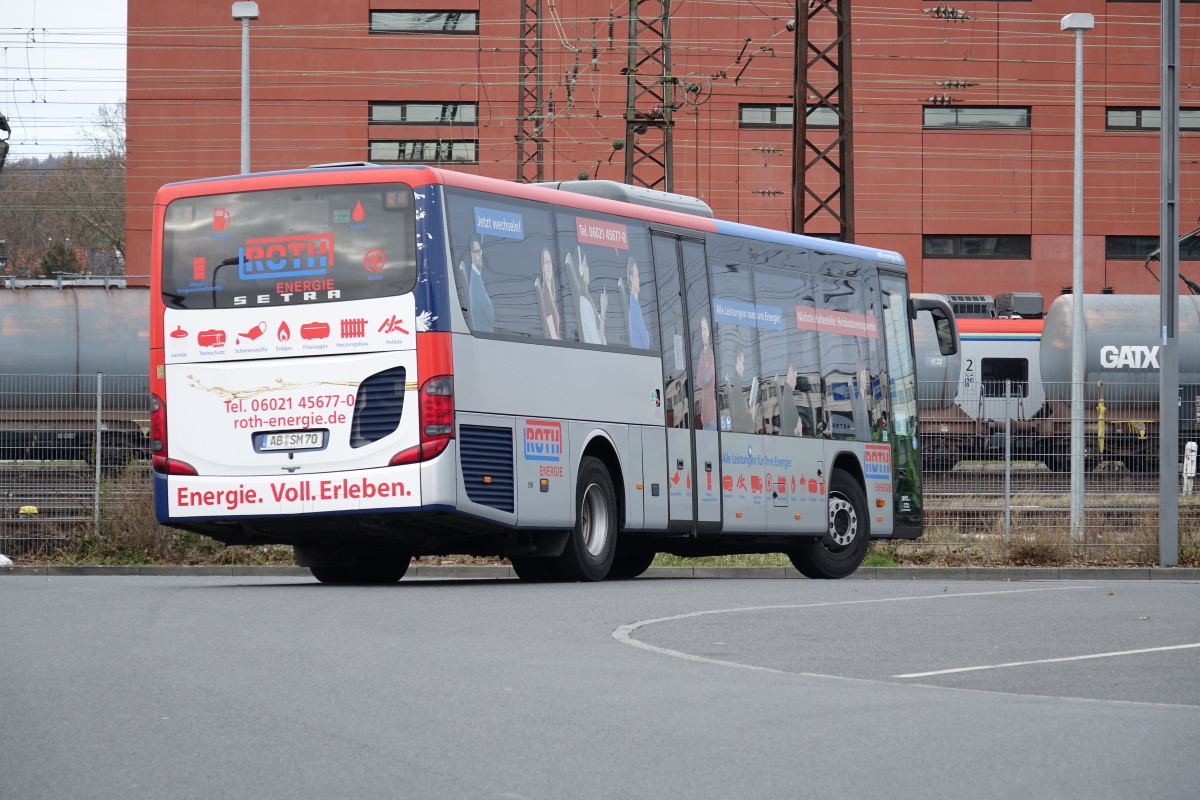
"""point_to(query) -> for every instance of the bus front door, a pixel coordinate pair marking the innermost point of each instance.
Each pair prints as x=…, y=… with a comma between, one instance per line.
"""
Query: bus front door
x=689, y=385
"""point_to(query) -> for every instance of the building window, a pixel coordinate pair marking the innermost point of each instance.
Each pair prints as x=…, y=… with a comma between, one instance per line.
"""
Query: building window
x=1136, y=248
x=423, y=113
x=438, y=151
x=1148, y=119
x=424, y=22
x=977, y=117
x=1012, y=246
x=781, y=116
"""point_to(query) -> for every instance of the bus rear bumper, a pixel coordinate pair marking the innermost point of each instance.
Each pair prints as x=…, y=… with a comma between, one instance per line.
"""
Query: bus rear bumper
x=214, y=497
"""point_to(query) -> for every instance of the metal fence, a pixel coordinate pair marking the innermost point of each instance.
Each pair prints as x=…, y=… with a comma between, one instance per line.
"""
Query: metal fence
x=996, y=479
x=997, y=468
x=72, y=449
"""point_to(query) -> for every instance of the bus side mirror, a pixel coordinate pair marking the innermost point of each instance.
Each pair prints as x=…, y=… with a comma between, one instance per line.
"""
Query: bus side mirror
x=943, y=321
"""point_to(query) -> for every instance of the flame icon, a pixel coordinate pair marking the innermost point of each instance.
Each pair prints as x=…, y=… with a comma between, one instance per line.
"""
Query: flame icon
x=284, y=333
x=358, y=215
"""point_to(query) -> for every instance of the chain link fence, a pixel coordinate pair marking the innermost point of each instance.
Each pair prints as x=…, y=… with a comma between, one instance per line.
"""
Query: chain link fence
x=996, y=473
x=997, y=468
x=71, y=448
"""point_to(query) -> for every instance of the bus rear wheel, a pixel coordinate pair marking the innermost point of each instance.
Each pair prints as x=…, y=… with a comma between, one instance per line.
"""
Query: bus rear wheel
x=532, y=569
x=592, y=544
x=630, y=563
x=844, y=546
x=387, y=571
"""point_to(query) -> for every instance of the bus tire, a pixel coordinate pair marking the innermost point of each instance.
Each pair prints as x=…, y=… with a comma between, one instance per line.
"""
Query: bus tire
x=532, y=569
x=844, y=546
x=630, y=563
x=389, y=571
x=592, y=544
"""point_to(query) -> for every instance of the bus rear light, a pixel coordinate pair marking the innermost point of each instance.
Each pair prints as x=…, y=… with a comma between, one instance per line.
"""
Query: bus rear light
x=172, y=466
x=422, y=452
x=158, y=442
x=158, y=426
x=436, y=407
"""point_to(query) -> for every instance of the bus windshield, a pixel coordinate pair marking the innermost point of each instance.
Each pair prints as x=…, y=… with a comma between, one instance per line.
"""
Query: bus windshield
x=294, y=246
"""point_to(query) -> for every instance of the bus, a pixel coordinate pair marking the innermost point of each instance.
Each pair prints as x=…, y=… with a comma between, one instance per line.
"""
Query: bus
x=374, y=363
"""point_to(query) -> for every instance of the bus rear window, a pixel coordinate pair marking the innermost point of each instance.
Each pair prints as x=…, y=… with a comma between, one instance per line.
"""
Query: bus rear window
x=278, y=247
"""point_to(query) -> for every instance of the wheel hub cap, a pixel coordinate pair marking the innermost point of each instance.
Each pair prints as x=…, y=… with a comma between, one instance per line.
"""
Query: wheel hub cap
x=594, y=520
x=843, y=522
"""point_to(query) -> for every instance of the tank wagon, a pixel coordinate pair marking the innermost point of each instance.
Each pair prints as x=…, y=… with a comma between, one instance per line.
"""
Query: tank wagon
x=1122, y=344
x=57, y=336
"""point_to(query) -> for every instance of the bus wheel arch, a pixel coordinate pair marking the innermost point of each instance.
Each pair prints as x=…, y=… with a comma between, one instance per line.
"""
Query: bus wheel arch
x=600, y=447
x=842, y=548
x=848, y=462
x=592, y=543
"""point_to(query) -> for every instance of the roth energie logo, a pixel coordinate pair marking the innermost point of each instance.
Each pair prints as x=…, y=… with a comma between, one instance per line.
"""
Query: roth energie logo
x=285, y=256
x=543, y=440
x=878, y=460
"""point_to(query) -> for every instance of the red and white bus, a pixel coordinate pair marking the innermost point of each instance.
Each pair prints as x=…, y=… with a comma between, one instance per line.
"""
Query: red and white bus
x=374, y=363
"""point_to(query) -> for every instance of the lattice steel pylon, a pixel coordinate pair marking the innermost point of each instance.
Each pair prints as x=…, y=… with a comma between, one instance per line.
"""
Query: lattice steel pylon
x=822, y=80
x=531, y=160
x=649, y=101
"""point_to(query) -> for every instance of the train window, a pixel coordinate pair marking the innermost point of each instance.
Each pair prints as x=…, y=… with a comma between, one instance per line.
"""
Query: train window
x=995, y=372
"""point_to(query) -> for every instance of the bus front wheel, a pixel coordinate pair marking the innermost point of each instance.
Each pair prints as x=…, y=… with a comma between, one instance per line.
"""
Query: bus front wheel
x=592, y=544
x=844, y=546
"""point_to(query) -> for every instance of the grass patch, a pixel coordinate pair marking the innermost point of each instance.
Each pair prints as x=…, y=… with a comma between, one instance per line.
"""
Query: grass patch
x=745, y=560
x=879, y=560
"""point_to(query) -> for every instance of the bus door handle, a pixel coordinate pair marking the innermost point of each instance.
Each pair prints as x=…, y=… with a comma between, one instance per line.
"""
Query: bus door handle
x=679, y=464
x=708, y=466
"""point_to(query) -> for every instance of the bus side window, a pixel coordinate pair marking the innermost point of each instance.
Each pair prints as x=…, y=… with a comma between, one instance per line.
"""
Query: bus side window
x=500, y=247
x=872, y=349
x=789, y=354
x=842, y=366
x=638, y=296
x=739, y=388
x=602, y=286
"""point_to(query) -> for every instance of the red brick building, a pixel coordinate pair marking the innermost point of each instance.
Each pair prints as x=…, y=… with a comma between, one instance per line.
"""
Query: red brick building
x=975, y=191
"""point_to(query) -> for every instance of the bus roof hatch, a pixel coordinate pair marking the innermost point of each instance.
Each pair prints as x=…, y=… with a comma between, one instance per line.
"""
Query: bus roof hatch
x=638, y=195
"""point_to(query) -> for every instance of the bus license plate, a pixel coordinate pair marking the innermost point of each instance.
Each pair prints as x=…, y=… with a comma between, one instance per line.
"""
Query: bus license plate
x=292, y=440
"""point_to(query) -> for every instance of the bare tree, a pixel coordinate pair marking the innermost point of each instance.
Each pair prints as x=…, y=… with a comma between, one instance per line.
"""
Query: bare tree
x=75, y=201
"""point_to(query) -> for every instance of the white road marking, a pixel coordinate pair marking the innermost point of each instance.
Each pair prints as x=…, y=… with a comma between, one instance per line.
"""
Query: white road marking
x=624, y=634
x=1048, y=661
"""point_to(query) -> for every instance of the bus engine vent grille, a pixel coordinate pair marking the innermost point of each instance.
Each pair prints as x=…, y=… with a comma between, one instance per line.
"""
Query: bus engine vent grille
x=377, y=407
x=487, y=453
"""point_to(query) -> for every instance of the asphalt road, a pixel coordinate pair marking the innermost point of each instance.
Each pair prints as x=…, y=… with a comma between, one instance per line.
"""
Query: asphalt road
x=245, y=687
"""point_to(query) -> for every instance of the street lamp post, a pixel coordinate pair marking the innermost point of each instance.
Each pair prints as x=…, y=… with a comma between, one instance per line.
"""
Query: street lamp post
x=245, y=11
x=1079, y=24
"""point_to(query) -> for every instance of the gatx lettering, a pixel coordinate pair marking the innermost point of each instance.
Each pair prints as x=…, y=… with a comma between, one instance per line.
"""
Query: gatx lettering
x=1129, y=356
